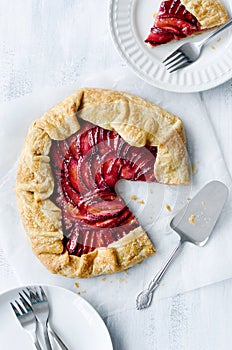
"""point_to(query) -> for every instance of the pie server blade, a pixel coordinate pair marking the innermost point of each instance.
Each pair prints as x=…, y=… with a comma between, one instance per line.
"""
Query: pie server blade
x=194, y=224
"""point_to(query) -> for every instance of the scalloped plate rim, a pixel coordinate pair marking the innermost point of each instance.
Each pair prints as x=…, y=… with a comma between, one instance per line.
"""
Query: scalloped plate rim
x=221, y=78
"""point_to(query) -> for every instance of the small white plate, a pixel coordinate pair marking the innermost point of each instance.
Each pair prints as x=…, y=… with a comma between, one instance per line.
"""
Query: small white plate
x=130, y=23
x=77, y=323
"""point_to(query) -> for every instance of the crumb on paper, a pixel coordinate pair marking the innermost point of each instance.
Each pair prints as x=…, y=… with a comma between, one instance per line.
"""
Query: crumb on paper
x=126, y=272
x=103, y=279
x=219, y=39
x=193, y=169
x=168, y=207
x=192, y=219
x=141, y=202
x=122, y=280
x=82, y=292
x=77, y=284
x=197, y=161
x=134, y=197
x=151, y=190
x=155, y=14
x=188, y=199
x=213, y=47
x=203, y=203
x=111, y=281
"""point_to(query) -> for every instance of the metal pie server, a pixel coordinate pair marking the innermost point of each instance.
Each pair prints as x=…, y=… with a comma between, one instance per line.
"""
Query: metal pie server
x=194, y=224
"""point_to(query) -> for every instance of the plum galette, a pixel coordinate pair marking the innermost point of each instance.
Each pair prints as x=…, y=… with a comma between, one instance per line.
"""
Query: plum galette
x=177, y=19
x=72, y=158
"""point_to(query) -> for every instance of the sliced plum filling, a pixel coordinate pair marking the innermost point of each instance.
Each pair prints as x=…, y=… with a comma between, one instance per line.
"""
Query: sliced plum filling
x=173, y=22
x=86, y=168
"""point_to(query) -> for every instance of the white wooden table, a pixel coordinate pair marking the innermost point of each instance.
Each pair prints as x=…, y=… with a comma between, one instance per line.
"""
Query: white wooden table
x=50, y=43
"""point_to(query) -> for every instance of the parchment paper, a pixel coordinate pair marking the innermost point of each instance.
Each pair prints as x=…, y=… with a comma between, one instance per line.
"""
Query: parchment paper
x=195, y=267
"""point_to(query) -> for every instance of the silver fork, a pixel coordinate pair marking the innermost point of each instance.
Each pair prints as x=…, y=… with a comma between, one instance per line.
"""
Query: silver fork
x=188, y=53
x=40, y=307
x=27, y=320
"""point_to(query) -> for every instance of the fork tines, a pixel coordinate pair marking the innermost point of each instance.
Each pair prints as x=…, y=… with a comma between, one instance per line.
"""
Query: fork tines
x=17, y=310
x=21, y=309
x=176, y=60
x=36, y=294
x=26, y=318
x=32, y=308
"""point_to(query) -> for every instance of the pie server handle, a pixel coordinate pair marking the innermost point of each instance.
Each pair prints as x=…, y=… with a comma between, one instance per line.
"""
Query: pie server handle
x=145, y=297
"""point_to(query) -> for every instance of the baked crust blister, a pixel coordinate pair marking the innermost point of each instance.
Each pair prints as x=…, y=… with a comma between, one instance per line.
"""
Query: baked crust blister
x=138, y=122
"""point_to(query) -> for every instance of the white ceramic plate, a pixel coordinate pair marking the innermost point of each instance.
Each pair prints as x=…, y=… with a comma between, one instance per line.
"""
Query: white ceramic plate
x=130, y=22
x=77, y=323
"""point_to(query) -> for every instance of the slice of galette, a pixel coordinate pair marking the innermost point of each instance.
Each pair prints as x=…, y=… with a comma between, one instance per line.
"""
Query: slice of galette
x=177, y=19
x=73, y=157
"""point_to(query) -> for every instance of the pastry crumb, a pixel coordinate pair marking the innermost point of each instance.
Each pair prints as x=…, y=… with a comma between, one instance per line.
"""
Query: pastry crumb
x=151, y=190
x=82, y=292
x=192, y=219
x=203, y=203
x=134, y=197
x=213, y=47
x=193, y=169
x=103, y=279
x=77, y=284
x=188, y=199
x=141, y=202
x=121, y=280
x=219, y=39
x=168, y=207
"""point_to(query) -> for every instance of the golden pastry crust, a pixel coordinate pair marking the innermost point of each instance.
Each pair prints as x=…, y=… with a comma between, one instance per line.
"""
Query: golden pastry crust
x=209, y=13
x=139, y=122
x=111, y=259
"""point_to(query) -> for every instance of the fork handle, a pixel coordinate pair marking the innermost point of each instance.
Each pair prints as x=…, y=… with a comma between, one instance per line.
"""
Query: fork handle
x=37, y=345
x=47, y=340
x=220, y=29
x=57, y=338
